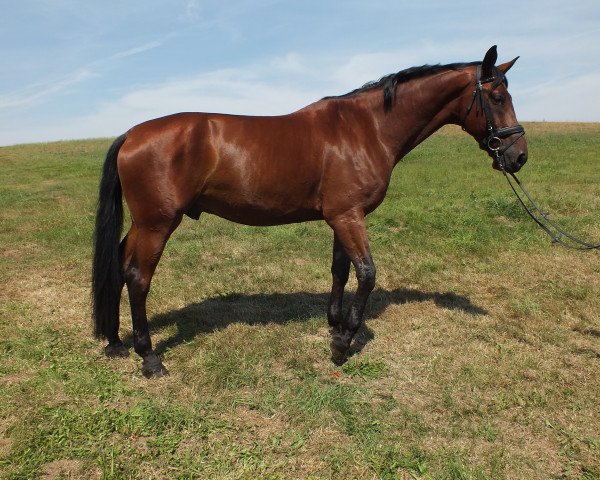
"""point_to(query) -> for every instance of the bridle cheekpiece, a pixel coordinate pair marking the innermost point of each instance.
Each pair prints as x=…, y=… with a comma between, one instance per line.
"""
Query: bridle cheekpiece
x=493, y=140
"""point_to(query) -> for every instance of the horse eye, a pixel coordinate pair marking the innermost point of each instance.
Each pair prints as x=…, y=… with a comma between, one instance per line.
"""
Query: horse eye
x=497, y=98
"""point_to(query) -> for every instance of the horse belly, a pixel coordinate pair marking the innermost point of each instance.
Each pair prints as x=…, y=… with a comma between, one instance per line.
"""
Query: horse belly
x=258, y=208
x=259, y=217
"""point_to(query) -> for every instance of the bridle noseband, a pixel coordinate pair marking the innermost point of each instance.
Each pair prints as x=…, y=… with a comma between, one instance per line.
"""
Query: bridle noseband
x=495, y=135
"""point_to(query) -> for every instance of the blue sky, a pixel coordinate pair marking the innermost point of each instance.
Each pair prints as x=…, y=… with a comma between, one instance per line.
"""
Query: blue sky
x=80, y=69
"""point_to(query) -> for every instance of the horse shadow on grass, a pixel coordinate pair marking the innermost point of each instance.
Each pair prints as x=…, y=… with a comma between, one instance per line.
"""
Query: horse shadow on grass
x=216, y=313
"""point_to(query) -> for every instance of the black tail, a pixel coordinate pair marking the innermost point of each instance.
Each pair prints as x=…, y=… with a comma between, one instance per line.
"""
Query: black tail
x=106, y=275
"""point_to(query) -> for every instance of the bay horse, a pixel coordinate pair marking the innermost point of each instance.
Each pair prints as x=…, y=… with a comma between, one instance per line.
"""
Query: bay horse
x=331, y=160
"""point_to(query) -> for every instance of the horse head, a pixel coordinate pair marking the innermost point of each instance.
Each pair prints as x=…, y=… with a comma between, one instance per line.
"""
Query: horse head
x=490, y=117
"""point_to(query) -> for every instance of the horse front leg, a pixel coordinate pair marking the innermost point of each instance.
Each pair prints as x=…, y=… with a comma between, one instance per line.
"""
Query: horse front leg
x=340, y=270
x=351, y=233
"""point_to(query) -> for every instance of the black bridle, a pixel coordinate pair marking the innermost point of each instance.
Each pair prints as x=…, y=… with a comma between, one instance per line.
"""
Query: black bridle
x=494, y=135
x=493, y=143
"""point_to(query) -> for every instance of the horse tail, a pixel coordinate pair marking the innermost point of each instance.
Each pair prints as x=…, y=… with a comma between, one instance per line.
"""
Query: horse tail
x=106, y=269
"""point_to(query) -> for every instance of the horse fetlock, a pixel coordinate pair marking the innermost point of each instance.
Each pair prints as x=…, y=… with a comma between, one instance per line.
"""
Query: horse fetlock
x=142, y=344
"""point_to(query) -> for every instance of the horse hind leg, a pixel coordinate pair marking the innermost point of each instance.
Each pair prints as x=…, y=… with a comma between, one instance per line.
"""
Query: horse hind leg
x=115, y=347
x=145, y=253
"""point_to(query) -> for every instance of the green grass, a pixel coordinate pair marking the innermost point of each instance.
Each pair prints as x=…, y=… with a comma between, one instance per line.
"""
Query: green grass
x=479, y=359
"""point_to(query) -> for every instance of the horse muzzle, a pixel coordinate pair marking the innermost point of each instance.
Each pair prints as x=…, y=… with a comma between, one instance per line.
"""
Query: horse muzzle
x=509, y=163
x=506, y=147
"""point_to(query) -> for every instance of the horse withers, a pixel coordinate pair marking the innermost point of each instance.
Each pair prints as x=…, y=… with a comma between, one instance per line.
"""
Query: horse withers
x=331, y=160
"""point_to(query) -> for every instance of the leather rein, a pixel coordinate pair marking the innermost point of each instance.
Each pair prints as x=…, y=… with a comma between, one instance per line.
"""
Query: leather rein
x=493, y=143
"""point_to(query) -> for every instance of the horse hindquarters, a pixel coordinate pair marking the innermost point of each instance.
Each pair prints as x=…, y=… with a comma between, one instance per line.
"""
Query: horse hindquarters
x=148, y=189
x=138, y=170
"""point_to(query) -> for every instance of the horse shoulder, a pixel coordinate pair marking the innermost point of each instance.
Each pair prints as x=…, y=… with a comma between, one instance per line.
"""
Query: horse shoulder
x=357, y=168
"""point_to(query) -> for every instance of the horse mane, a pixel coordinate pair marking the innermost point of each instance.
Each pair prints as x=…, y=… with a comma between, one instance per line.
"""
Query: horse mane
x=389, y=82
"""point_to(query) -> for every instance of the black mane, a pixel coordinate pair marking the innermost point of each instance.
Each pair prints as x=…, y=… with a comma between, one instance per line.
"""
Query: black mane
x=389, y=82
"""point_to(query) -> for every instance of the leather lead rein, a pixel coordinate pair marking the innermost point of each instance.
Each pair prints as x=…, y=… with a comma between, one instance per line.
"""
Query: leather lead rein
x=558, y=234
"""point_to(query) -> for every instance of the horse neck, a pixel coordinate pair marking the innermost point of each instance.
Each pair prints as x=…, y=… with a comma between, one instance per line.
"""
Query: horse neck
x=421, y=108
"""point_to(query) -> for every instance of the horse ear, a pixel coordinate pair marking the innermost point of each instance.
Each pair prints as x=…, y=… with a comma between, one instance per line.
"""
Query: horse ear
x=505, y=67
x=487, y=66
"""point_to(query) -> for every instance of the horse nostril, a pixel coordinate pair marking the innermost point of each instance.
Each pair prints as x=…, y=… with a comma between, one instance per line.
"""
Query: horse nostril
x=522, y=159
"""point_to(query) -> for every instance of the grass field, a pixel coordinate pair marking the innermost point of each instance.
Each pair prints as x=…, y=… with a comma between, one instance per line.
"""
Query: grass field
x=480, y=357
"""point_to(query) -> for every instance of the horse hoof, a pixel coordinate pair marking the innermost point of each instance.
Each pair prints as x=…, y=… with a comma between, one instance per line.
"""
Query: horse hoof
x=158, y=373
x=338, y=361
x=154, y=368
x=339, y=354
x=116, y=351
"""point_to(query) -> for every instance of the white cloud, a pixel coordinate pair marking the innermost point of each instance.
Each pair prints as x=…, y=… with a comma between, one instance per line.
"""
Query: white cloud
x=229, y=91
x=292, y=63
x=192, y=10
x=564, y=99
x=285, y=83
x=132, y=51
x=35, y=93
x=38, y=92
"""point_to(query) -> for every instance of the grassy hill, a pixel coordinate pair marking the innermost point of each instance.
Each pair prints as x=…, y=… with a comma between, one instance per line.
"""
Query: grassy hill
x=479, y=359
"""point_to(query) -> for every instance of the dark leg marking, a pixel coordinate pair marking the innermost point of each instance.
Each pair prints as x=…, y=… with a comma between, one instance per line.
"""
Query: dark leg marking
x=340, y=270
x=342, y=335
